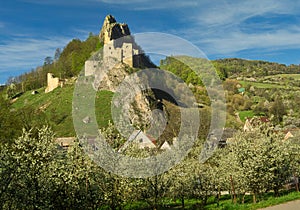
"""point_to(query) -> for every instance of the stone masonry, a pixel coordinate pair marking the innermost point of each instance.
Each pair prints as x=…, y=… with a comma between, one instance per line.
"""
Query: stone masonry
x=53, y=82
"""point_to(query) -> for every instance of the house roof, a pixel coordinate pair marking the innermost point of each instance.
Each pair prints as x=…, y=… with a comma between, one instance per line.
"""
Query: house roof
x=165, y=146
x=138, y=134
x=292, y=133
x=65, y=141
x=261, y=119
x=254, y=121
x=143, y=140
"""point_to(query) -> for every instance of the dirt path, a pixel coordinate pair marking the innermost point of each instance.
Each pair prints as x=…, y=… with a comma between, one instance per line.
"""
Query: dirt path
x=292, y=205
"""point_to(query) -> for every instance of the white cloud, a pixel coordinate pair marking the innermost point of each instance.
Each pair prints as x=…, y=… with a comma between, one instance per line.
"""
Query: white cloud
x=238, y=41
x=235, y=11
x=230, y=41
x=121, y=1
x=126, y=4
x=224, y=28
x=24, y=53
x=166, y=5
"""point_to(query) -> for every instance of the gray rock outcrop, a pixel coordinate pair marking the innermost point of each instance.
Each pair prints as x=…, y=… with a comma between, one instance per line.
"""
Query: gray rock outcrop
x=112, y=30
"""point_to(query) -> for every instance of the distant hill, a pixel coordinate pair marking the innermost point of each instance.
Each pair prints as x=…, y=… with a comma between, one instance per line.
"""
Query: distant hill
x=230, y=68
x=234, y=67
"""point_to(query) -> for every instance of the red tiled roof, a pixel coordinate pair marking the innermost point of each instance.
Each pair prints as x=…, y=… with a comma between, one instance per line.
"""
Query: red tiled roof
x=151, y=138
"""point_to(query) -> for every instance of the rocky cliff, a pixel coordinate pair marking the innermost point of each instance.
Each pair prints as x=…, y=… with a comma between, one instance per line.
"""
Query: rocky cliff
x=110, y=71
x=111, y=30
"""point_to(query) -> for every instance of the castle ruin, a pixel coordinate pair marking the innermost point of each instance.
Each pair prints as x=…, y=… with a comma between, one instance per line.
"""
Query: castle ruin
x=118, y=45
x=53, y=83
x=123, y=53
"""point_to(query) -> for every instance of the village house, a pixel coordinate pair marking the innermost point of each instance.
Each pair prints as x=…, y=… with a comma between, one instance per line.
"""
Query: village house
x=141, y=139
x=144, y=141
x=293, y=133
x=65, y=142
x=251, y=123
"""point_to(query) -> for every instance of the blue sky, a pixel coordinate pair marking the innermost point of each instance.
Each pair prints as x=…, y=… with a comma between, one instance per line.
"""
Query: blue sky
x=31, y=30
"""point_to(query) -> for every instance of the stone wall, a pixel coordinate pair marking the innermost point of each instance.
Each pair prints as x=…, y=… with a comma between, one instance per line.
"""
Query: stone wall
x=123, y=54
x=90, y=67
x=110, y=50
x=127, y=54
x=52, y=83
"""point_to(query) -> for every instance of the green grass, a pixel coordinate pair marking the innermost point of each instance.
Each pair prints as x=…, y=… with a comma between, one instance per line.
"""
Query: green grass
x=263, y=85
x=287, y=76
x=268, y=200
x=55, y=108
x=103, y=107
x=225, y=203
x=245, y=114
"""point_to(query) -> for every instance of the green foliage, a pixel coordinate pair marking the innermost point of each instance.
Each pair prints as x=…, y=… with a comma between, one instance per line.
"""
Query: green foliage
x=12, y=121
x=181, y=186
x=36, y=174
x=259, y=160
x=29, y=158
x=263, y=85
x=180, y=69
x=278, y=110
x=72, y=58
x=269, y=200
x=11, y=91
x=9, y=123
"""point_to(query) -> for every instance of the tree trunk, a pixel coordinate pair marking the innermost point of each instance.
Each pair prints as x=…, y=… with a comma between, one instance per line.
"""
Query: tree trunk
x=296, y=182
x=218, y=196
x=254, y=197
x=276, y=191
x=233, y=190
x=243, y=198
x=156, y=193
x=182, y=202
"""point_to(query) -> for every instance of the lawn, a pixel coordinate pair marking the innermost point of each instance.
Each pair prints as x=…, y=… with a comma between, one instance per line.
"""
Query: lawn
x=267, y=200
x=263, y=85
x=55, y=108
x=225, y=203
x=245, y=114
x=103, y=107
x=294, y=76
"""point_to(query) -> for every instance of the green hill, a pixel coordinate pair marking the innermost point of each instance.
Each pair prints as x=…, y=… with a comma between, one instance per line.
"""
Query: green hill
x=55, y=108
